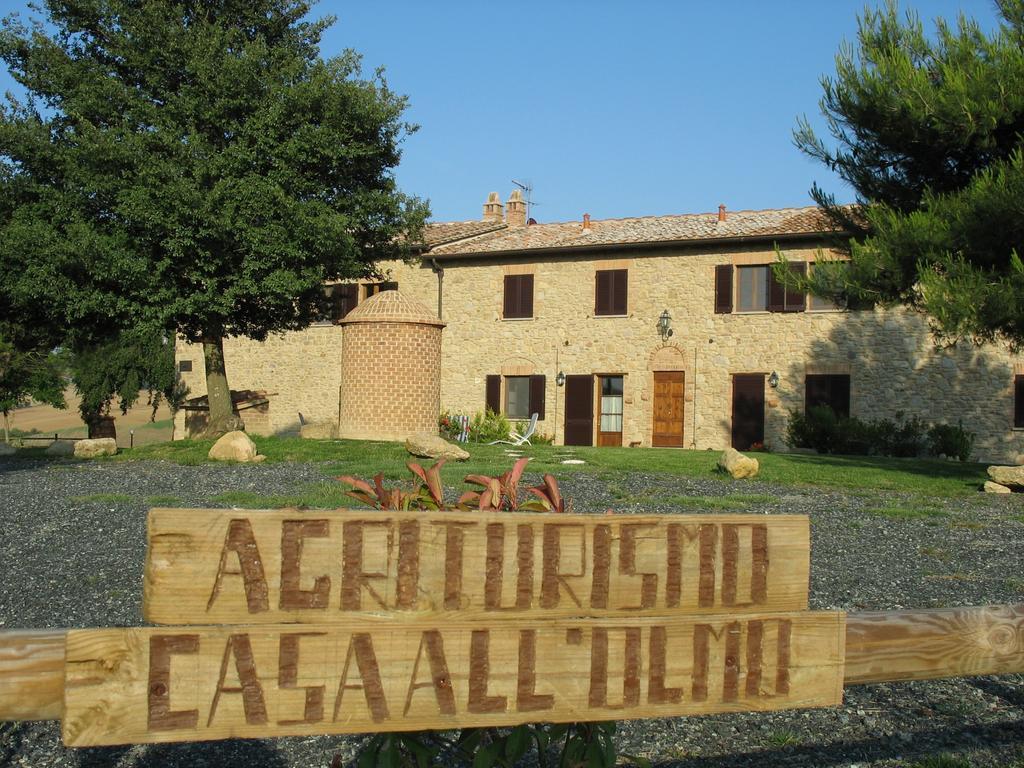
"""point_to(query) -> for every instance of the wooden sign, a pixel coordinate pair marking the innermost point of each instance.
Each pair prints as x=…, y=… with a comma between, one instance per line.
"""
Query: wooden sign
x=207, y=566
x=190, y=683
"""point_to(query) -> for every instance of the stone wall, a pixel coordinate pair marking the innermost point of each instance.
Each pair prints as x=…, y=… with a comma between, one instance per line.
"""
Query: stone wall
x=889, y=355
x=299, y=370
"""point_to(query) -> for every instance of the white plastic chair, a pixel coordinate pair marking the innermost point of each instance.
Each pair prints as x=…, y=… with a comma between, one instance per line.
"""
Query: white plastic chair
x=514, y=438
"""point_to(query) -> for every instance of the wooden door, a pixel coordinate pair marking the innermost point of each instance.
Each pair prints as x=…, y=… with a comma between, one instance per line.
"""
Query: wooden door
x=579, y=410
x=609, y=426
x=747, y=410
x=668, y=409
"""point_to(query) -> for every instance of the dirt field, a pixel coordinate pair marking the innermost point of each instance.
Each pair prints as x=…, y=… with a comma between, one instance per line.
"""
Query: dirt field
x=66, y=422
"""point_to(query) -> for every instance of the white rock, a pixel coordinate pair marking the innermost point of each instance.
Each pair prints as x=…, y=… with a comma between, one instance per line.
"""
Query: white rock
x=991, y=487
x=1011, y=476
x=235, y=446
x=433, y=447
x=100, y=446
x=738, y=465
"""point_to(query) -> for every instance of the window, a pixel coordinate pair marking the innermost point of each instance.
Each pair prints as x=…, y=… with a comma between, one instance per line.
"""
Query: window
x=832, y=390
x=820, y=303
x=610, y=292
x=518, y=296
x=184, y=366
x=609, y=431
x=753, y=288
x=783, y=299
x=1018, y=402
x=517, y=397
x=758, y=290
x=524, y=395
x=372, y=289
x=339, y=300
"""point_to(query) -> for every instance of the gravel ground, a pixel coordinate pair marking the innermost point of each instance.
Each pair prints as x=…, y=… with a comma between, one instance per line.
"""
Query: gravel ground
x=70, y=561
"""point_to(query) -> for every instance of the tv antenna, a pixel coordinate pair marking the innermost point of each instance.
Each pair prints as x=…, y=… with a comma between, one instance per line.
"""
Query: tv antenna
x=527, y=187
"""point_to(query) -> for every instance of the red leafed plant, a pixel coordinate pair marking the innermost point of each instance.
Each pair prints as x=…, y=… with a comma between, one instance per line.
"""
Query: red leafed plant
x=549, y=497
x=428, y=494
x=498, y=493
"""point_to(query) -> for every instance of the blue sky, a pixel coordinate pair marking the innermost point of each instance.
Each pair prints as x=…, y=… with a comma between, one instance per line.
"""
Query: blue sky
x=609, y=108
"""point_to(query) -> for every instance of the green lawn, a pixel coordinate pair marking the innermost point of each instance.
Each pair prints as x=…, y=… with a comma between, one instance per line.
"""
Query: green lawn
x=364, y=459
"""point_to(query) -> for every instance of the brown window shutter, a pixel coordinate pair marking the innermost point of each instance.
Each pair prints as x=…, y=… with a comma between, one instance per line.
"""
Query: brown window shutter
x=511, y=308
x=796, y=300
x=723, y=289
x=518, y=296
x=841, y=395
x=537, y=385
x=344, y=299
x=493, y=396
x=776, y=293
x=603, y=293
x=1018, y=401
x=526, y=295
x=620, y=280
x=611, y=292
x=814, y=392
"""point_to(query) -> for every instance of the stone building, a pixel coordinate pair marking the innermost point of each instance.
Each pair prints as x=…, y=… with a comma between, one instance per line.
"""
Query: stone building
x=571, y=321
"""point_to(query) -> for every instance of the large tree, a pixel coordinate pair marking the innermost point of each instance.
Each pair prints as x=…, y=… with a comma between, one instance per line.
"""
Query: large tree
x=195, y=166
x=927, y=130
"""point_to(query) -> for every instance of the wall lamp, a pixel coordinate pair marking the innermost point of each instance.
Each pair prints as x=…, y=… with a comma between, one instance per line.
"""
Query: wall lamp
x=560, y=379
x=665, y=325
x=773, y=379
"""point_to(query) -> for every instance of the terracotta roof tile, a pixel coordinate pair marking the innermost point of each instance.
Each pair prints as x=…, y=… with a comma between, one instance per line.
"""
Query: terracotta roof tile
x=641, y=230
x=439, y=233
x=391, y=307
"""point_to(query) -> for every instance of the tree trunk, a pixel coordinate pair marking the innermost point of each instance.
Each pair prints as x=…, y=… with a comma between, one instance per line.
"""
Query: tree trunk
x=222, y=416
x=7, y=427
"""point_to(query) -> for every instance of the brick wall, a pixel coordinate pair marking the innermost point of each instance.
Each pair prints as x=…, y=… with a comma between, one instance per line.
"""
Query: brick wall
x=391, y=376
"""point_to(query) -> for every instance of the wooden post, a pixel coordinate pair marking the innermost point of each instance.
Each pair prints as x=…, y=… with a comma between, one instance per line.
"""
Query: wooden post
x=881, y=646
x=886, y=646
x=32, y=674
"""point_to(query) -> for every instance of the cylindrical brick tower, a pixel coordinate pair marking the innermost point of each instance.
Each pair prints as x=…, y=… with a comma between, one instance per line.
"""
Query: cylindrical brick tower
x=390, y=369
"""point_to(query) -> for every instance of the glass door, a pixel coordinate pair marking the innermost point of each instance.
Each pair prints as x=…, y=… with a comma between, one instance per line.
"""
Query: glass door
x=609, y=430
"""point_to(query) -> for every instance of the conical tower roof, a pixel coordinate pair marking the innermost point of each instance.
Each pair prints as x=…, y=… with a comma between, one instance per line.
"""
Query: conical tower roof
x=391, y=307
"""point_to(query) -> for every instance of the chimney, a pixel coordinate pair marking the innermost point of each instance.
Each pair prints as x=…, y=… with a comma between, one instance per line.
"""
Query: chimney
x=721, y=212
x=493, y=209
x=586, y=221
x=515, y=210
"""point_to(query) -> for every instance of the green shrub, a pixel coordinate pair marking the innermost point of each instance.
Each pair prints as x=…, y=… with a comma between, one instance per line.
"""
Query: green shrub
x=903, y=438
x=484, y=427
x=947, y=440
x=489, y=426
x=825, y=431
